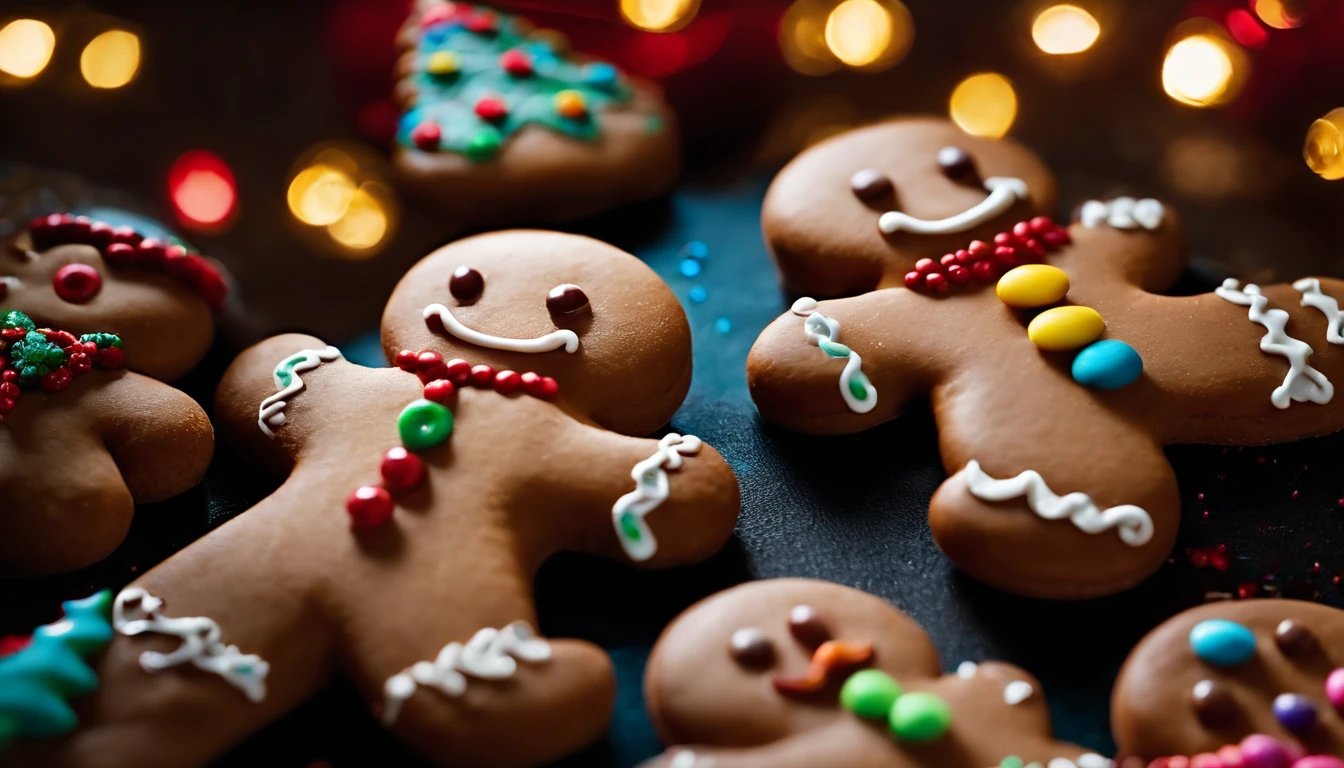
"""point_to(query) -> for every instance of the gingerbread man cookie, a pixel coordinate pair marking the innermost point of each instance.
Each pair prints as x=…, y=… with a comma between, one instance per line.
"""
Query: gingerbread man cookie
x=1056, y=371
x=502, y=123
x=795, y=673
x=1248, y=684
x=420, y=501
x=81, y=441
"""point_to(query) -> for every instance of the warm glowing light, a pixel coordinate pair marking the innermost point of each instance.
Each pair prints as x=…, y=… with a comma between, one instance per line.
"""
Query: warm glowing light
x=1324, y=150
x=320, y=195
x=659, y=15
x=365, y=222
x=984, y=105
x=25, y=47
x=802, y=37
x=1245, y=29
x=202, y=188
x=111, y=59
x=1065, y=29
x=1203, y=70
x=867, y=34
x=1279, y=14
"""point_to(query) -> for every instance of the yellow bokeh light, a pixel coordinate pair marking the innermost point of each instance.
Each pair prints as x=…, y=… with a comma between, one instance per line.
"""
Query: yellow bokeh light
x=802, y=37
x=365, y=222
x=1203, y=70
x=1062, y=29
x=984, y=105
x=320, y=195
x=1324, y=150
x=25, y=47
x=659, y=15
x=867, y=34
x=1277, y=13
x=111, y=59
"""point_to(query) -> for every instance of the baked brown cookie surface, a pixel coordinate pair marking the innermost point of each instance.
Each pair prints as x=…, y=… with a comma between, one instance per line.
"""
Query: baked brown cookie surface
x=502, y=124
x=795, y=673
x=420, y=500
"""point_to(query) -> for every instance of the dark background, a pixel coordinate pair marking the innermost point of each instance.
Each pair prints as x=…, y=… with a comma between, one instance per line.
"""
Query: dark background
x=262, y=84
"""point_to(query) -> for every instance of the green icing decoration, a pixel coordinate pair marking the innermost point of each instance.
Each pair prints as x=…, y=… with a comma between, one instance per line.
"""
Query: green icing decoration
x=629, y=528
x=102, y=340
x=37, y=681
x=919, y=717
x=834, y=348
x=424, y=424
x=870, y=693
x=858, y=386
x=34, y=357
x=15, y=319
x=449, y=99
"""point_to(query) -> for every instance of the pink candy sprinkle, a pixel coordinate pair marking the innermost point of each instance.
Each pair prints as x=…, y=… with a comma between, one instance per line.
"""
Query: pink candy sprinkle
x=1334, y=688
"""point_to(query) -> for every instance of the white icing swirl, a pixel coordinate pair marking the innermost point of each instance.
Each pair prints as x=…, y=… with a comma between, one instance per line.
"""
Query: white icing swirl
x=1003, y=191
x=824, y=332
x=553, y=340
x=1303, y=383
x=1312, y=296
x=271, y=415
x=651, y=489
x=1133, y=524
x=1123, y=213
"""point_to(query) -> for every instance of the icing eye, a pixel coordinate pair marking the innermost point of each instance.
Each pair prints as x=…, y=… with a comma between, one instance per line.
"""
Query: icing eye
x=807, y=627
x=956, y=163
x=1294, y=639
x=869, y=185
x=751, y=648
x=77, y=283
x=566, y=299
x=466, y=284
x=1213, y=703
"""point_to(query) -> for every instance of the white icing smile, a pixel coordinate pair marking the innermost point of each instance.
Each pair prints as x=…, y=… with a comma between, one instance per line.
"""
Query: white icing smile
x=1003, y=191
x=553, y=340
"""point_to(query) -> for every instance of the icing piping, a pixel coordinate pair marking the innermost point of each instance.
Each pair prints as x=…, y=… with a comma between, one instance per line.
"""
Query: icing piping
x=651, y=489
x=1004, y=192
x=1303, y=383
x=1133, y=524
x=1123, y=213
x=553, y=340
x=488, y=655
x=967, y=669
x=136, y=612
x=272, y=412
x=1017, y=692
x=1312, y=296
x=824, y=332
x=688, y=759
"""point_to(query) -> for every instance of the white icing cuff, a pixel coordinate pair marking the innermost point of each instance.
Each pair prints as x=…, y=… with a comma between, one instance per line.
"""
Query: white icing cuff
x=824, y=332
x=651, y=490
x=553, y=340
x=1302, y=383
x=271, y=415
x=1123, y=213
x=1003, y=191
x=1133, y=524
x=1312, y=296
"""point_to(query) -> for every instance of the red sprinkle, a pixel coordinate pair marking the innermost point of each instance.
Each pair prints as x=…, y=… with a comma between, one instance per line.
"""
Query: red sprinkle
x=516, y=62
x=491, y=109
x=402, y=470
x=482, y=376
x=426, y=135
x=406, y=360
x=439, y=390
x=369, y=506
x=507, y=382
x=459, y=371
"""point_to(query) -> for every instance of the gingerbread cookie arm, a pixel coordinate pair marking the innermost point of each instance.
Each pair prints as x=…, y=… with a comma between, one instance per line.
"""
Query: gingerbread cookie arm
x=1139, y=243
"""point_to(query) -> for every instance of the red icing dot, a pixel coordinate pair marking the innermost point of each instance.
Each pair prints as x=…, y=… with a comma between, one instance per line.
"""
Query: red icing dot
x=426, y=135
x=482, y=376
x=459, y=371
x=507, y=382
x=979, y=249
x=926, y=266
x=912, y=280
x=77, y=283
x=491, y=109
x=56, y=381
x=369, y=506
x=426, y=360
x=120, y=254
x=401, y=470
x=406, y=360
x=516, y=62
x=112, y=357
x=439, y=390
x=936, y=282
x=984, y=271
x=958, y=274
x=80, y=363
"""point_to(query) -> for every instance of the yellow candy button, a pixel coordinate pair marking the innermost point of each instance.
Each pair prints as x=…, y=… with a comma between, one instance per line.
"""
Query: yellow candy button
x=1032, y=285
x=571, y=104
x=441, y=63
x=1064, y=328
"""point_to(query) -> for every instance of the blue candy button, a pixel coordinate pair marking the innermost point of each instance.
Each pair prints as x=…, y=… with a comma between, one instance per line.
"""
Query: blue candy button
x=1107, y=364
x=1222, y=643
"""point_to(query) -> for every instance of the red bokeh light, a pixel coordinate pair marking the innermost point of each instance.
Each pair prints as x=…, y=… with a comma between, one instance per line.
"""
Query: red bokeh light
x=203, y=190
x=1245, y=29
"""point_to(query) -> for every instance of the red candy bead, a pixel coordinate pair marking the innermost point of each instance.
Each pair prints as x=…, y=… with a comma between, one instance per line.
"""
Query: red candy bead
x=402, y=471
x=6, y=405
x=925, y=266
x=979, y=249
x=406, y=360
x=958, y=274
x=1005, y=238
x=459, y=371
x=9, y=376
x=100, y=234
x=112, y=357
x=369, y=506
x=984, y=271
x=80, y=363
x=913, y=280
x=964, y=256
x=56, y=381
x=9, y=390
x=439, y=390
x=1034, y=247
x=491, y=109
x=62, y=339
x=426, y=135
x=426, y=360
x=516, y=62
x=936, y=282
x=508, y=382
x=547, y=388
x=1006, y=255
x=125, y=235
x=1056, y=237
x=482, y=376
x=150, y=253
x=948, y=259
x=120, y=254
x=77, y=283
x=1041, y=224
x=1022, y=229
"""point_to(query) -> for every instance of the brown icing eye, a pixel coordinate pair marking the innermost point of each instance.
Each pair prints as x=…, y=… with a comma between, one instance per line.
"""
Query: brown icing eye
x=807, y=627
x=566, y=299
x=1294, y=639
x=956, y=163
x=751, y=648
x=1213, y=703
x=869, y=185
x=466, y=284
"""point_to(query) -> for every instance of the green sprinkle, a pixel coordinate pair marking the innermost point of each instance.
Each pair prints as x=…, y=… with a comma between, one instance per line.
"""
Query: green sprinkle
x=858, y=386
x=919, y=718
x=424, y=424
x=629, y=527
x=16, y=319
x=483, y=145
x=870, y=694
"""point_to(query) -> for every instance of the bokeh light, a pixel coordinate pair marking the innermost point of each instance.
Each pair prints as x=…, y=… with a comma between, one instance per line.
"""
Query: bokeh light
x=659, y=15
x=364, y=224
x=1243, y=27
x=1204, y=70
x=1062, y=29
x=984, y=105
x=1279, y=14
x=320, y=194
x=802, y=37
x=111, y=59
x=26, y=46
x=339, y=193
x=869, y=35
x=202, y=189
x=1324, y=150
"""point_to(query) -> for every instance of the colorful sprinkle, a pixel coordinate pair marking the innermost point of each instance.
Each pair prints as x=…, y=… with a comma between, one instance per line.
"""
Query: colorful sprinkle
x=870, y=694
x=919, y=718
x=441, y=64
x=424, y=424
x=1295, y=713
x=1107, y=364
x=1222, y=643
x=571, y=104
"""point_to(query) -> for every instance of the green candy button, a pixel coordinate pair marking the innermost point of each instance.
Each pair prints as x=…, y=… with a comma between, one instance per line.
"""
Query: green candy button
x=919, y=717
x=870, y=694
x=424, y=424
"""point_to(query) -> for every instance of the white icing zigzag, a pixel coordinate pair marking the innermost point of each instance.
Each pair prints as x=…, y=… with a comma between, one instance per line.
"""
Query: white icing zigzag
x=1133, y=523
x=136, y=612
x=1004, y=192
x=488, y=655
x=1312, y=296
x=1303, y=383
x=271, y=416
x=1123, y=213
x=824, y=332
x=651, y=489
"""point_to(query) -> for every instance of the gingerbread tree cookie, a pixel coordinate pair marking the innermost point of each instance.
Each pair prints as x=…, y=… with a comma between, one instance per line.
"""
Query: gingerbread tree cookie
x=81, y=440
x=502, y=123
x=420, y=501
x=1236, y=685
x=795, y=673
x=1056, y=370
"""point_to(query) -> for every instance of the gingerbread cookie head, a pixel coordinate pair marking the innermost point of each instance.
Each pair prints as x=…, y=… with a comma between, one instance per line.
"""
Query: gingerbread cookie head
x=502, y=123
x=86, y=276
x=794, y=672
x=1261, y=678
x=858, y=211
x=591, y=316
